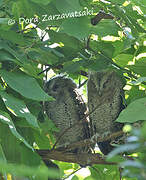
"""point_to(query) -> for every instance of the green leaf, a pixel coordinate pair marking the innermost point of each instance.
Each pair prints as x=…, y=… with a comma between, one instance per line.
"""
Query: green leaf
x=5, y=118
x=77, y=27
x=139, y=67
x=116, y=159
x=135, y=111
x=2, y=155
x=99, y=64
x=17, y=57
x=1, y=1
x=1, y=88
x=66, y=6
x=12, y=154
x=25, y=85
x=121, y=13
x=134, y=93
x=18, y=108
x=72, y=67
x=4, y=21
x=14, y=37
x=139, y=81
x=118, y=46
x=42, y=141
x=132, y=164
x=81, y=27
x=41, y=172
x=46, y=55
x=104, y=172
x=23, y=8
x=48, y=125
x=106, y=27
x=122, y=149
x=119, y=1
x=75, y=178
x=31, y=69
x=44, y=2
x=67, y=40
x=6, y=56
x=143, y=130
x=105, y=47
x=123, y=59
x=29, y=157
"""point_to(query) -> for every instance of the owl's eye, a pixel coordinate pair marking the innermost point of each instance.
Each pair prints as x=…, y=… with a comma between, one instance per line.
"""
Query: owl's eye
x=106, y=83
x=55, y=87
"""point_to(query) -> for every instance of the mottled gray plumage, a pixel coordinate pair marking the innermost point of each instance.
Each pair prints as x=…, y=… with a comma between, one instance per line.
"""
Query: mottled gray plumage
x=66, y=110
x=105, y=91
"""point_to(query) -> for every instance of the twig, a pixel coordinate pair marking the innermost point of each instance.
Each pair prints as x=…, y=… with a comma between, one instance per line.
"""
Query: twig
x=101, y=15
x=120, y=171
x=59, y=67
x=72, y=173
x=43, y=71
x=23, y=30
x=82, y=84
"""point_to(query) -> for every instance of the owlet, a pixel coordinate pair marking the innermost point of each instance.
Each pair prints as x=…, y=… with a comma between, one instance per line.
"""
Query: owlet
x=105, y=92
x=67, y=111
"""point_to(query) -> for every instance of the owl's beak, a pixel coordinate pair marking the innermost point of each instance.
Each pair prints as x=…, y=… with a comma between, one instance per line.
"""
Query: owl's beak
x=98, y=90
x=100, y=93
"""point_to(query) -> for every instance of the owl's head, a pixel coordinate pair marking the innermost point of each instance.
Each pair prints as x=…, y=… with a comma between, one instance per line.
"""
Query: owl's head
x=104, y=81
x=58, y=85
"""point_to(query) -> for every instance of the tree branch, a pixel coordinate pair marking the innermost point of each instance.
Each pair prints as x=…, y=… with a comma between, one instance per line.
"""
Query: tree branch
x=90, y=142
x=84, y=159
x=101, y=15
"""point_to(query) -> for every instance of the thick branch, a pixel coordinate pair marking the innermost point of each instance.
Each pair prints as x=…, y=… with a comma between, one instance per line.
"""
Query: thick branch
x=84, y=159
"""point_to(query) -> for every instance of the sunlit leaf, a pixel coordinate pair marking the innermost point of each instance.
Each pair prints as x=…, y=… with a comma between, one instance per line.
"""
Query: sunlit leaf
x=5, y=118
x=139, y=67
x=123, y=59
x=135, y=111
x=138, y=81
x=18, y=108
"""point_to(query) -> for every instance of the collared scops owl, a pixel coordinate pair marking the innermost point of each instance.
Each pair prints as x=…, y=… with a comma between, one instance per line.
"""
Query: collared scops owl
x=105, y=94
x=66, y=111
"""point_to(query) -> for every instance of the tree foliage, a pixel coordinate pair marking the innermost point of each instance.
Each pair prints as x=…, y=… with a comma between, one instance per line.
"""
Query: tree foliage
x=69, y=37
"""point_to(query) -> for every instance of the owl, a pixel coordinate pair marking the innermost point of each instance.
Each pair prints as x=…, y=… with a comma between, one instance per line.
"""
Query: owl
x=105, y=92
x=66, y=111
